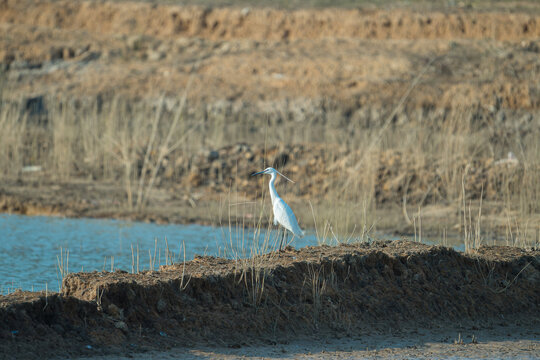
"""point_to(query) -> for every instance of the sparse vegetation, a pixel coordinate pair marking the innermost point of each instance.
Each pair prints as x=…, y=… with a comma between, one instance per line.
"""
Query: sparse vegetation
x=62, y=266
x=399, y=122
x=455, y=163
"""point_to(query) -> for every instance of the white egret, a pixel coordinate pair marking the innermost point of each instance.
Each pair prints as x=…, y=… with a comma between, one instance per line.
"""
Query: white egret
x=282, y=212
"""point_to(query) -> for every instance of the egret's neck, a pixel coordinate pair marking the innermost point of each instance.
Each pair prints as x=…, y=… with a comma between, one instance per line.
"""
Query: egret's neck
x=273, y=193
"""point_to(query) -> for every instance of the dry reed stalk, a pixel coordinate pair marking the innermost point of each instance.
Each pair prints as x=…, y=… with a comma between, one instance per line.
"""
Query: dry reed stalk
x=120, y=140
x=62, y=267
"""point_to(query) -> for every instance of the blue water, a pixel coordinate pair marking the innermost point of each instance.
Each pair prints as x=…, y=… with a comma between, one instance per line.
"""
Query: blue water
x=31, y=247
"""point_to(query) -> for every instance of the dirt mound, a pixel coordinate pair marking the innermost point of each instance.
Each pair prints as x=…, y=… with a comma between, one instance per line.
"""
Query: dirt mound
x=322, y=168
x=261, y=63
x=269, y=24
x=314, y=291
x=187, y=179
x=35, y=325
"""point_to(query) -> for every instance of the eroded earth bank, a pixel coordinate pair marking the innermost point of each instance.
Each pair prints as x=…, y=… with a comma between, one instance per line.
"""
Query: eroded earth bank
x=382, y=288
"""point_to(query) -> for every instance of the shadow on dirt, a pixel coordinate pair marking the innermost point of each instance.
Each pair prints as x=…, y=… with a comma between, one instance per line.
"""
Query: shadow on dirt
x=382, y=287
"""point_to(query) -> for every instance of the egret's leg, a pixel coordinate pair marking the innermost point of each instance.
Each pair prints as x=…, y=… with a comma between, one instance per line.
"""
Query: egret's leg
x=283, y=240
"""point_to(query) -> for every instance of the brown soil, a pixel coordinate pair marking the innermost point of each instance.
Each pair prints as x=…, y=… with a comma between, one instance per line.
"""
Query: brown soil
x=319, y=76
x=380, y=288
x=262, y=60
x=270, y=24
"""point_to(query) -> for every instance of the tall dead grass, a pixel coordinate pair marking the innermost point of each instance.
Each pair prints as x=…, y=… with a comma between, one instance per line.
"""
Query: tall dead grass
x=138, y=143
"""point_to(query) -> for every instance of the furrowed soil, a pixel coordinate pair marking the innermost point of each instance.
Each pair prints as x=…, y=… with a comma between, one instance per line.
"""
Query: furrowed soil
x=364, y=292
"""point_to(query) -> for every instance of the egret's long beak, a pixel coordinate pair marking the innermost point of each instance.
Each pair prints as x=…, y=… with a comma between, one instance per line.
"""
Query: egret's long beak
x=285, y=176
x=257, y=173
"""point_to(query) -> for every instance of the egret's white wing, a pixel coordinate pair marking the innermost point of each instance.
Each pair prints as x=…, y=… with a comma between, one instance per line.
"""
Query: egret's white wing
x=284, y=215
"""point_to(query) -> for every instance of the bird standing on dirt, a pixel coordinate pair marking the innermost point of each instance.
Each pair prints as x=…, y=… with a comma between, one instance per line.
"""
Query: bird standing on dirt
x=282, y=212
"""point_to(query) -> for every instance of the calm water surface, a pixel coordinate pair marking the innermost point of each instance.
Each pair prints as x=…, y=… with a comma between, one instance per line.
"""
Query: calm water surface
x=30, y=246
